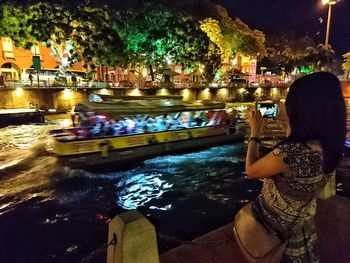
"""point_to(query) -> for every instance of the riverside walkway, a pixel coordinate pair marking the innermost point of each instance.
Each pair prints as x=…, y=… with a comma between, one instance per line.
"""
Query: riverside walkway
x=332, y=221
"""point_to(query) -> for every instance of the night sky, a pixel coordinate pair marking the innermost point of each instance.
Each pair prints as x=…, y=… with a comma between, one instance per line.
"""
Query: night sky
x=301, y=16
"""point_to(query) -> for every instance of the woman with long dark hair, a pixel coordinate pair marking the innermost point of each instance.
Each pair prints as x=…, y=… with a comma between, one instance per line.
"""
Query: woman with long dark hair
x=299, y=167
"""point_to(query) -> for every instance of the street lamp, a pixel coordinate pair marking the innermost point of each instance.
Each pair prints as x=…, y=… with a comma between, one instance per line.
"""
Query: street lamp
x=330, y=3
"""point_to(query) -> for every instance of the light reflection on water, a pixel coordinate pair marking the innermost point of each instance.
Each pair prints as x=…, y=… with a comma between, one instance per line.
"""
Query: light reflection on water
x=140, y=189
x=190, y=174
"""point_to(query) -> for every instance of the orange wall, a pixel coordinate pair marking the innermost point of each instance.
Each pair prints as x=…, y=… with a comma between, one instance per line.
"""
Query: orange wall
x=23, y=58
x=345, y=84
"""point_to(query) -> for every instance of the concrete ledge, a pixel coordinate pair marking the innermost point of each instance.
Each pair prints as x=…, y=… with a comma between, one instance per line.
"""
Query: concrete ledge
x=136, y=239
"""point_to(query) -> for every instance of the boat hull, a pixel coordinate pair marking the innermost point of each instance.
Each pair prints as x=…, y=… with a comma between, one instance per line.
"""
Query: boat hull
x=122, y=157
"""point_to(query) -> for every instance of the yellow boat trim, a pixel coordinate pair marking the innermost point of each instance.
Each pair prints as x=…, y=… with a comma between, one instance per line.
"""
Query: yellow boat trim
x=73, y=147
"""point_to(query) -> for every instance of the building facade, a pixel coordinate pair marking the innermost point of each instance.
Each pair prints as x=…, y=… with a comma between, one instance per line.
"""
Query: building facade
x=14, y=60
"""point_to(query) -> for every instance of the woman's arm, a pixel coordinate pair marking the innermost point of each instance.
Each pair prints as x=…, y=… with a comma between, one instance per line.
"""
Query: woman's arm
x=267, y=166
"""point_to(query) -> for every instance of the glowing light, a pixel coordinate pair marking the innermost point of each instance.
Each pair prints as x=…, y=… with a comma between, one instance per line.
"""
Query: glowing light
x=206, y=93
x=329, y=2
x=274, y=90
x=163, y=92
x=144, y=72
x=66, y=123
x=104, y=91
x=68, y=94
x=185, y=94
x=201, y=68
x=234, y=61
x=241, y=90
x=19, y=91
x=214, y=85
x=52, y=110
x=135, y=92
x=223, y=92
x=258, y=91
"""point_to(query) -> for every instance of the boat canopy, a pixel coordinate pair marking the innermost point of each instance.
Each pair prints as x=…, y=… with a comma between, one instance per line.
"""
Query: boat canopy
x=157, y=105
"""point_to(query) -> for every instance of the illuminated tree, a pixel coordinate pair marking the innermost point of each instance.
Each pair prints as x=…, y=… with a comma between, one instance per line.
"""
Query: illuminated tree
x=212, y=28
x=155, y=35
x=239, y=37
x=346, y=64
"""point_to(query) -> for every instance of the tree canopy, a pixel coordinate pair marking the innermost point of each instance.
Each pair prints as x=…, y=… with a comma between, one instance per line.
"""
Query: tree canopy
x=286, y=52
x=133, y=33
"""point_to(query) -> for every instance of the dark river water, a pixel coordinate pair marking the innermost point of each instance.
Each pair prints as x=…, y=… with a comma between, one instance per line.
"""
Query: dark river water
x=52, y=213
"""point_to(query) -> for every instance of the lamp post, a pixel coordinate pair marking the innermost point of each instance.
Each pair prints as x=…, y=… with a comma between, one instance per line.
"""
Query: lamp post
x=330, y=3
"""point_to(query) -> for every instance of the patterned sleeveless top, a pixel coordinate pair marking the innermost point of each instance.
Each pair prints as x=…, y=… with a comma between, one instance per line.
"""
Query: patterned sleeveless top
x=290, y=198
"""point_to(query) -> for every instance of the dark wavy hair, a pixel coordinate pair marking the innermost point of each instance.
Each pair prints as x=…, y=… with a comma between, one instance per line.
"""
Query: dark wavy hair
x=316, y=110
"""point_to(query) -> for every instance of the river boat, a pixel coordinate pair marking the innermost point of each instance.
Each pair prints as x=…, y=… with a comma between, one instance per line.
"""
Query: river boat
x=152, y=126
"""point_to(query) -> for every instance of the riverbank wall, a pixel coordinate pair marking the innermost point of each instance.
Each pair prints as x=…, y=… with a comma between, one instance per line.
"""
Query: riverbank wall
x=63, y=98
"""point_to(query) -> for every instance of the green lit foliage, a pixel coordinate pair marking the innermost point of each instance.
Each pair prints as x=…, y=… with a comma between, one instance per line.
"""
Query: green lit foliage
x=153, y=34
x=13, y=24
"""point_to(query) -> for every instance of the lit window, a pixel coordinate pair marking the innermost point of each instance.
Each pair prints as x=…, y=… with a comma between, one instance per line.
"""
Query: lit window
x=35, y=50
x=7, y=47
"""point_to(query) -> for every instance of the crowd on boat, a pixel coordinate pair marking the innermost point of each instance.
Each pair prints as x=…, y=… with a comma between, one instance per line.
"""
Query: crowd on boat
x=101, y=125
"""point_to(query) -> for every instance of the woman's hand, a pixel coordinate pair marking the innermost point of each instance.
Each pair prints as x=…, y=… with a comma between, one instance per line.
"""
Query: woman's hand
x=256, y=123
x=282, y=112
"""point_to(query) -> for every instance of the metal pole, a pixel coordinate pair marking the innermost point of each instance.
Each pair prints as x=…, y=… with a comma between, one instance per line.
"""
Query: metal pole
x=37, y=76
x=328, y=23
x=37, y=90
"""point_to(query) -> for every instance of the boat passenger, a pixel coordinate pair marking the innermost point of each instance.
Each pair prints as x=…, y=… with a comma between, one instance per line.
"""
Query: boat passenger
x=123, y=126
x=191, y=120
x=116, y=127
x=130, y=125
x=139, y=126
x=204, y=116
x=185, y=119
x=110, y=129
x=102, y=129
x=95, y=129
x=198, y=120
x=168, y=121
x=150, y=125
x=145, y=128
x=160, y=123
